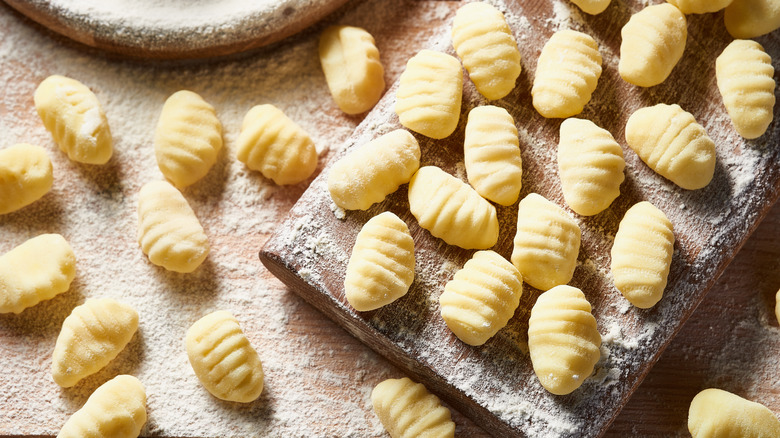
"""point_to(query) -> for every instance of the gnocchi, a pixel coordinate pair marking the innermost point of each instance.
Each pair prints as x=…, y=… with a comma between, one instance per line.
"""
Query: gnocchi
x=752, y=18
x=590, y=163
x=546, y=244
x=699, y=6
x=668, y=139
x=91, y=337
x=371, y=172
x=451, y=210
x=353, y=71
x=563, y=339
x=25, y=176
x=429, y=94
x=37, y=270
x=168, y=230
x=653, y=43
x=567, y=74
x=593, y=7
x=71, y=112
x=222, y=358
x=777, y=306
x=483, y=40
x=715, y=413
x=407, y=410
x=187, y=139
x=271, y=143
x=481, y=298
x=491, y=152
x=746, y=82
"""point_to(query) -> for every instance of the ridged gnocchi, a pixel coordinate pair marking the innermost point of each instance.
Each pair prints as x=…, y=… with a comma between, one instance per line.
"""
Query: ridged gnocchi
x=25, y=176
x=481, y=298
x=642, y=254
x=752, y=18
x=353, y=71
x=407, y=410
x=117, y=409
x=563, y=339
x=491, y=152
x=271, y=143
x=746, y=82
x=91, y=337
x=593, y=7
x=699, y=6
x=168, y=230
x=567, y=74
x=187, y=139
x=653, y=43
x=715, y=413
x=451, y=210
x=71, y=112
x=429, y=94
x=668, y=139
x=590, y=163
x=223, y=359
x=483, y=40
x=37, y=270
x=381, y=266
x=369, y=173
x=546, y=244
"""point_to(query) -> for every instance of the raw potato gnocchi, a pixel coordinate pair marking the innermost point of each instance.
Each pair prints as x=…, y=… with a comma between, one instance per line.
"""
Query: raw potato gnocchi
x=567, y=73
x=546, y=244
x=451, y=210
x=117, y=409
x=746, y=82
x=168, y=230
x=563, y=339
x=187, y=139
x=752, y=18
x=91, y=337
x=491, y=152
x=381, y=266
x=37, y=270
x=429, y=94
x=271, y=143
x=481, y=298
x=407, y=410
x=25, y=176
x=653, y=43
x=71, y=112
x=483, y=40
x=715, y=413
x=369, y=173
x=699, y=6
x=668, y=139
x=353, y=71
x=222, y=358
x=593, y=7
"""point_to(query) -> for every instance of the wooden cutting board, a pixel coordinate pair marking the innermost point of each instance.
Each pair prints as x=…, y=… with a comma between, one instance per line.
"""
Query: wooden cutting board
x=495, y=384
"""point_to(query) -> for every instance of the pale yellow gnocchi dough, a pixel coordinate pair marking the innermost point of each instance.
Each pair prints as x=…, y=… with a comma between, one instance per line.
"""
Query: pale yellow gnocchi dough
x=563, y=339
x=271, y=143
x=451, y=210
x=117, y=409
x=37, y=270
x=25, y=176
x=481, y=298
x=752, y=18
x=567, y=73
x=429, y=94
x=668, y=139
x=699, y=6
x=483, y=40
x=353, y=71
x=546, y=244
x=642, y=254
x=223, y=359
x=746, y=82
x=168, y=230
x=91, y=337
x=715, y=413
x=653, y=43
x=71, y=112
x=371, y=172
x=593, y=7
x=407, y=410
x=187, y=139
